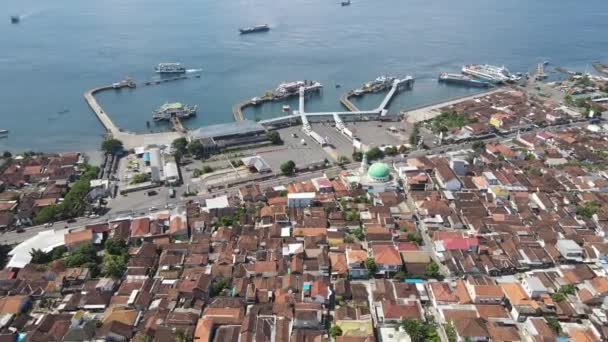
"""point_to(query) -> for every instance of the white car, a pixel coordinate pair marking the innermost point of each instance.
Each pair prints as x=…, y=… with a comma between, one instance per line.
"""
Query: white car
x=153, y=209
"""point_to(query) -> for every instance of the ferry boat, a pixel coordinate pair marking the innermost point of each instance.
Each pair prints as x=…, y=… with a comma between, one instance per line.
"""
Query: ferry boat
x=170, y=68
x=345, y=2
x=3, y=131
x=175, y=109
x=254, y=29
x=489, y=73
x=463, y=80
x=291, y=88
x=15, y=19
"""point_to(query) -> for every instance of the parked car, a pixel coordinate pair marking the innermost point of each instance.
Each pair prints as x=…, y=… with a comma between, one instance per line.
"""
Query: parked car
x=152, y=193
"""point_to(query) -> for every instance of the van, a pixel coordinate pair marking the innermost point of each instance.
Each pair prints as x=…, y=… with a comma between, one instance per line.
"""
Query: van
x=172, y=193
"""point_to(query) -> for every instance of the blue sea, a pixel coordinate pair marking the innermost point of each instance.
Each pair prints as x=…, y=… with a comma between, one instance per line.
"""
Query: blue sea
x=62, y=48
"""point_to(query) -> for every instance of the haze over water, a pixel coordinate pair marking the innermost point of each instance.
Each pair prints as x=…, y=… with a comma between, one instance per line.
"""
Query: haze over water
x=60, y=49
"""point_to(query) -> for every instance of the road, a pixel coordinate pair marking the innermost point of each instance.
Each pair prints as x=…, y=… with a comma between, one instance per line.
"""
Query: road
x=139, y=204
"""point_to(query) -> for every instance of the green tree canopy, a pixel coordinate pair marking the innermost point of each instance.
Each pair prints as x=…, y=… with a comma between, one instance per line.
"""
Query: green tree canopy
x=112, y=146
x=335, y=331
x=196, y=149
x=374, y=153
x=432, y=270
x=371, y=265
x=180, y=144
x=274, y=137
x=288, y=168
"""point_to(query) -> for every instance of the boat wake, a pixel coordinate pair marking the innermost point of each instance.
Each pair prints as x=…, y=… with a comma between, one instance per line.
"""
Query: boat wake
x=193, y=70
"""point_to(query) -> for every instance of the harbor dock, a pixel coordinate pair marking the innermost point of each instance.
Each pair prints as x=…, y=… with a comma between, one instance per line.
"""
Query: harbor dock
x=129, y=139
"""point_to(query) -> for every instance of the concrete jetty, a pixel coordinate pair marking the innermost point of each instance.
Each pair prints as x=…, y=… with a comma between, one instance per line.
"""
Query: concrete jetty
x=129, y=139
x=345, y=101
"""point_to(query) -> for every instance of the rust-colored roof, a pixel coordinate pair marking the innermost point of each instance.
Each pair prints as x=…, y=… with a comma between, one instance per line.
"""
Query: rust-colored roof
x=338, y=263
x=517, y=296
x=140, y=226
x=393, y=310
x=77, y=237
x=386, y=255
x=11, y=304
x=356, y=255
x=442, y=292
x=491, y=311
x=488, y=291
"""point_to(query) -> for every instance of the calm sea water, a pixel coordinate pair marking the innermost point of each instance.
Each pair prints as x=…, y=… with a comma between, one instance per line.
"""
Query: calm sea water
x=62, y=48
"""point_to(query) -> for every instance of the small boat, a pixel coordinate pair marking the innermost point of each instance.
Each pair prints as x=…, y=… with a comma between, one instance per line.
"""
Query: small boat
x=65, y=111
x=338, y=85
x=3, y=131
x=15, y=19
x=286, y=108
x=254, y=29
x=345, y=2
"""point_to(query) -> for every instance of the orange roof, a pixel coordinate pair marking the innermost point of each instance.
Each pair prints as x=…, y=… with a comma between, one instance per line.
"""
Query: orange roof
x=600, y=284
x=126, y=316
x=11, y=304
x=516, y=295
x=386, y=255
x=310, y=232
x=462, y=293
x=32, y=170
x=442, y=292
x=488, y=291
x=393, y=310
x=356, y=255
x=582, y=335
x=491, y=311
x=338, y=263
x=140, y=226
x=177, y=224
x=44, y=202
x=78, y=237
x=202, y=332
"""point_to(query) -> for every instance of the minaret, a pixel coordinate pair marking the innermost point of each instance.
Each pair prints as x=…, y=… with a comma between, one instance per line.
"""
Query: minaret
x=364, y=165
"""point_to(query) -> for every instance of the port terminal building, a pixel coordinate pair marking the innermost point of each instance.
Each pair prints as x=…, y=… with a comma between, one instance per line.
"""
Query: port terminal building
x=221, y=136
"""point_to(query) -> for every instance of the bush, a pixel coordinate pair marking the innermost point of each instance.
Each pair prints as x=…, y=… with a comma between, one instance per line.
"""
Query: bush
x=181, y=145
x=415, y=238
x=374, y=153
x=140, y=178
x=432, y=270
x=370, y=264
x=357, y=156
x=196, y=149
x=335, y=331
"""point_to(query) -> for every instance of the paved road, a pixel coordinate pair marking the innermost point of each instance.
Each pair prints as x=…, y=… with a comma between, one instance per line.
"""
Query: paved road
x=137, y=203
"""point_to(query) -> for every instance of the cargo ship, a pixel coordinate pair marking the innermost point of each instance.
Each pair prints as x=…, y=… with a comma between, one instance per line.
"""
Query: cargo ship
x=254, y=29
x=463, y=80
x=176, y=109
x=490, y=73
x=170, y=68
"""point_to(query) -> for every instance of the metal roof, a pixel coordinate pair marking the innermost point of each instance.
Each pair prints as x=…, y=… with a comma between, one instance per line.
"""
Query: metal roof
x=227, y=129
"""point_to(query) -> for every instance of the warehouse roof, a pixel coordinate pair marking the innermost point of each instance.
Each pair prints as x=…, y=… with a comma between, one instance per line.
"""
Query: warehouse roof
x=227, y=129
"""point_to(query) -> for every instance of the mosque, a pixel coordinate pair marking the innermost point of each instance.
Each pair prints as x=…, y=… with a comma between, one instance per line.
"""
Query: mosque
x=377, y=177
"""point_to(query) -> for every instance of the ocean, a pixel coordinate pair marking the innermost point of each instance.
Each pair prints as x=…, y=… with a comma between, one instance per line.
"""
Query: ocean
x=60, y=49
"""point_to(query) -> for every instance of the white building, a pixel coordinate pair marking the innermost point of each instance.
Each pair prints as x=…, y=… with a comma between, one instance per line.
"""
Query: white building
x=300, y=200
x=570, y=250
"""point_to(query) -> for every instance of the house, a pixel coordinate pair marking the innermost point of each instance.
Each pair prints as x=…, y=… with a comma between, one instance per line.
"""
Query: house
x=77, y=238
x=446, y=178
x=391, y=313
x=251, y=193
x=300, y=199
x=570, y=250
x=339, y=265
x=387, y=259
x=356, y=263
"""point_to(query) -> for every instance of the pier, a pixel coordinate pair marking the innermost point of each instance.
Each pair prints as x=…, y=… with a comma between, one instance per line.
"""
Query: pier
x=395, y=86
x=177, y=125
x=345, y=101
x=129, y=139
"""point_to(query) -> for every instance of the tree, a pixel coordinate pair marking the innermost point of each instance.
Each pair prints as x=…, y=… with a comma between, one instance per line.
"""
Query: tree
x=6, y=154
x=568, y=99
x=403, y=149
x=358, y=233
x=357, y=156
x=374, y=153
x=39, y=256
x=414, y=237
x=415, y=135
x=81, y=255
x=479, y=145
x=342, y=160
x=414, y=329
x=371, y=265
x=196, y=149
x=181, y=145
x=589, y=209
x=288, y=168
x=558, y=297
x=390, y=151
x=114, y=265
x=116, y=247
x=335, y=331
x=432, y=270
x=450, y=332
x=274, y=137
x=400, y=274
x=112, y=146
x=352, y=215
x=554, y=324
x=568, y=289
x=217, y=286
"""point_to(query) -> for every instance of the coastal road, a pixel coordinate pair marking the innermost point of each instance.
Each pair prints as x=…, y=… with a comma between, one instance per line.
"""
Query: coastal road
x=139, y=204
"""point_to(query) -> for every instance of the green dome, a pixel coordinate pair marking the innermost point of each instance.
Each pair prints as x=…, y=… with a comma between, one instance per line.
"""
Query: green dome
x=378, y=171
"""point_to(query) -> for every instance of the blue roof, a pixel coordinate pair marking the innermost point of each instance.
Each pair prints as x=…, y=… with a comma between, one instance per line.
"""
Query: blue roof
x=414, y=281
x=146, y=156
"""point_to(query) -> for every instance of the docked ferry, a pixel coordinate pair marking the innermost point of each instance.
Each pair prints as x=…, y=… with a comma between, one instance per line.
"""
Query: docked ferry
x=490, y=73
x=175, y=109
x=463, y=80
x=254, y=29
x=170, y=68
